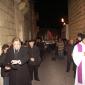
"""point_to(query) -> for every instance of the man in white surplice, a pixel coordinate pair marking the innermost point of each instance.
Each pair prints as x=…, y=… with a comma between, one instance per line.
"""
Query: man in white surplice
x=79, y=59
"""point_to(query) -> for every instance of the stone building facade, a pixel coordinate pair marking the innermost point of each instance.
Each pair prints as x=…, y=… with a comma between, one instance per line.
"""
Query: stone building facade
x=15, y=20
x=35, y=27
x=76, y=13
x=7, y=21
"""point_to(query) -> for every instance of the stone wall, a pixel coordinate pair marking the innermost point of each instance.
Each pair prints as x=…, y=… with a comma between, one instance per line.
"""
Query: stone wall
x=28, y=23
x=76, y=12
x=14, y=21
x=19, y=22
x=7, y=30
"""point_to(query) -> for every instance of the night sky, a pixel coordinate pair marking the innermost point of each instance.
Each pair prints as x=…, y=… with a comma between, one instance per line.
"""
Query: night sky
x=51, y=12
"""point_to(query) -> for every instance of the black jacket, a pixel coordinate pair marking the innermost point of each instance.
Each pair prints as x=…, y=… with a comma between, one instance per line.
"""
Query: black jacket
x=34, y=53
x=19, y=74
x=4, y=73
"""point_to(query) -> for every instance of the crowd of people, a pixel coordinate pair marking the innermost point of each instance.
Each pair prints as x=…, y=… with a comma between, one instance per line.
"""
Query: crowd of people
x=74, y=50
x=19, y=62
x=76, y=56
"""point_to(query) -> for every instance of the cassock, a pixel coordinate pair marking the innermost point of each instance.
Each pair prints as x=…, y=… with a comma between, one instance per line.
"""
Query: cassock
x=19, y=74
x=79, y=59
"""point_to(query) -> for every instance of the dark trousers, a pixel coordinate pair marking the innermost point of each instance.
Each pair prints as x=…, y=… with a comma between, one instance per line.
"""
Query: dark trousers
x=74, y=69
x=69, y=61
x=5, y=80
x=41, y=54
x=34, y=72
x=69, y=64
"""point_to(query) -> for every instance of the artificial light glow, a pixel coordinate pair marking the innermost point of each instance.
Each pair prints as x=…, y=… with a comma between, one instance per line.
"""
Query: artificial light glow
x=64, y=23
x=62, y=20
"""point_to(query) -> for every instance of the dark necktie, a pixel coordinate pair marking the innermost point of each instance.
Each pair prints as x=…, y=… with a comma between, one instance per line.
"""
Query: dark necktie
x=16, y=53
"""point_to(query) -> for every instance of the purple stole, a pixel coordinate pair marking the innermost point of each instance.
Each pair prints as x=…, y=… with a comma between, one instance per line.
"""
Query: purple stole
x=80, y=65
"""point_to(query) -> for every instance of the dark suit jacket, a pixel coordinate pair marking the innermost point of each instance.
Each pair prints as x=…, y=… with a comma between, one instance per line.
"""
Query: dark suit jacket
x=19, y=74
x=4, y=73
x=34, y=53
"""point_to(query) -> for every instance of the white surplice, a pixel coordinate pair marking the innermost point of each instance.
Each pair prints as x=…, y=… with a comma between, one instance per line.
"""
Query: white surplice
x=78, y=57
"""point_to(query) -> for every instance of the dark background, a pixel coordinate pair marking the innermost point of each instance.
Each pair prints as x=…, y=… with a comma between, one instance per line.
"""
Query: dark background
x=51, y=12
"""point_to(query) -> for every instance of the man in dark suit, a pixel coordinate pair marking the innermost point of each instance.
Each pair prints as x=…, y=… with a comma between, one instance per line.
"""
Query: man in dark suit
x=16, y=62
x=4, y=74
x=34, y=61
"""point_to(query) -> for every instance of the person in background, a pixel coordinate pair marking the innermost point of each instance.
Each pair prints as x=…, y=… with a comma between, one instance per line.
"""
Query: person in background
x=65, y=44
x=40, y=45
x=60, y=45
x=4, y=74
x=16, y=63
x=79, y=59
x=79, y=35
x=34, y=61
x=69, y=49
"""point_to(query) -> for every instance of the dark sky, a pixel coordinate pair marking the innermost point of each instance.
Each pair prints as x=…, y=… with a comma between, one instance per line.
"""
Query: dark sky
x=51, y=11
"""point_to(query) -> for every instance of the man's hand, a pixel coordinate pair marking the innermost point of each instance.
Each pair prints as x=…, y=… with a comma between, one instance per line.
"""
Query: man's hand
x=7, y=67
x=19, y=61
x=32, y=59
x=84, y=53
x=14, y=62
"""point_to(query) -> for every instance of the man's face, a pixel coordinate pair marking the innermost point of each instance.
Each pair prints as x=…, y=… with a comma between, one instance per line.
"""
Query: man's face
x=16, y=45
x=83, y=40
x=31, y=44
x=79, y=38
x=71, y=41
x=5, y=50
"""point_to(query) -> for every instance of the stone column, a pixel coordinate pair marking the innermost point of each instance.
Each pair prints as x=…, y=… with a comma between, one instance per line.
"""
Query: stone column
x=35, y=17
x=19, y=21
x=28, y=22
x=7, y=30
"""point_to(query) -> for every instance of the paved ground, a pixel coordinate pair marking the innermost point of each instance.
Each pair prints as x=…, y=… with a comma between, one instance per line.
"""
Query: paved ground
x=54, y=73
